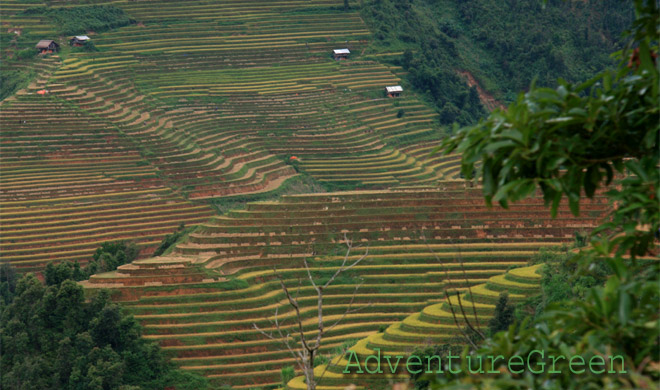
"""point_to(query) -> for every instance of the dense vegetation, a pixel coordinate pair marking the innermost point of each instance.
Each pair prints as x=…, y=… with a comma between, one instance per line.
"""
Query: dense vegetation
x=171, y=239
x=53, y=338
x=107, y=257
x=571, y=141
x=78, y=20
x=504, y=44
x=21, y=49
x=11, y=80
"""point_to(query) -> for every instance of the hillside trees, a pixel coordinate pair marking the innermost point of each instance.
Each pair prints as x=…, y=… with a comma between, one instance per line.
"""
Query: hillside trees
x=53, y=338
x=503, y=44
x=78, y=20
x=574, y=141
x=107, y=257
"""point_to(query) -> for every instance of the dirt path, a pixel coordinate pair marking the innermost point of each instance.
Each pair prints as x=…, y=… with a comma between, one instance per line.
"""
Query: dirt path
x=486, y=98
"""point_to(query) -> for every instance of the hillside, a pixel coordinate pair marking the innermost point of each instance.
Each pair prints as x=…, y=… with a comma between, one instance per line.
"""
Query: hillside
x=234, y=120
x=196, y=130
x=498, y=47
x=172, y=107
x=200, y=301
x=433, y=325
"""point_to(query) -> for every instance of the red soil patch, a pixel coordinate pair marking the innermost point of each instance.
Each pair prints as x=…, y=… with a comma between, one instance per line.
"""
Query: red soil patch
x=486, y=98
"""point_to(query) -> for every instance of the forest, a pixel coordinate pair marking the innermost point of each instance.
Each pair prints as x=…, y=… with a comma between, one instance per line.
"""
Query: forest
x=54, y=337
x=505, y=45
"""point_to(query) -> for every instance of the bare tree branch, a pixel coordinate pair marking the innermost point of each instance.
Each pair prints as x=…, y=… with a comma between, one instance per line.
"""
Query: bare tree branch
x=460, y=304
x=469, y=287
x=451, y=307
x=284, y=340
x=343, y=267
x=460, y=328
x=305, y=355
x=349, y=310
x=343, y=352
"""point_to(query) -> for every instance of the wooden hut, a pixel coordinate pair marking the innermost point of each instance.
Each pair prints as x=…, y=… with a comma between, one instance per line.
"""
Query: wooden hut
x=46, y=46
x=79, y=40
x=393, y=91
x=340, y=54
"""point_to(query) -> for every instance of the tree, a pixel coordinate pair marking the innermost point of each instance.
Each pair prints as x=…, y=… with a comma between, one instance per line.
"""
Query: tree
x=111, y=255
x=307, y=351
x=503, y=315
x=8, y=280
x=171, y=239
x=575, y=141
x=346, y=6
x=52, y=338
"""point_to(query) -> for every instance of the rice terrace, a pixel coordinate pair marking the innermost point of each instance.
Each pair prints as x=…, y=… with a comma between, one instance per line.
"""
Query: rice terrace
x=329, y=194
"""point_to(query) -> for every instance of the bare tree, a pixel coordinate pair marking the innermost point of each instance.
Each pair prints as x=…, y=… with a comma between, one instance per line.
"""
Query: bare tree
x=307, y=348
x=476, y=331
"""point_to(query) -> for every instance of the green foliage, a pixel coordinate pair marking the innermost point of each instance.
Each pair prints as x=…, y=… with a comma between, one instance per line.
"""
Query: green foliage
x=503, y=315
x=25, y=54
x=527, y=40
x=172, y=239
x=76, y=20
x=619, y=318
x=568, y=140
x=503, y=44
x=431, y=70
x=427, y=356
x=571, y=141
x=299, y=184
x=56, y=274
x=53, y=339
x=287, y=374
x=107, y=257
x=8, y=279
x=111, y=255
x=561, y=279
x=13, y=79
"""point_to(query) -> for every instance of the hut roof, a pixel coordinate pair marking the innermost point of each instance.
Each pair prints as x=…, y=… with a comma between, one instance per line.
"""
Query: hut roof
x=341, y=51
x=394, y=88
x=82, y=37
x=44, y=43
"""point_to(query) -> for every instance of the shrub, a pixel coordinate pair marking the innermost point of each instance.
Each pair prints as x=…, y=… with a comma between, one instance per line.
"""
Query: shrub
x=74, y=20
x=503, y=315
x=287, y=374
x=171, y=239
x=26, y=54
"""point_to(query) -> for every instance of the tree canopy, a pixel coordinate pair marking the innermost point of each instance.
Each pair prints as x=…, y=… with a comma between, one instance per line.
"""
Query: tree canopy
x=574, y=141
x=54, y=337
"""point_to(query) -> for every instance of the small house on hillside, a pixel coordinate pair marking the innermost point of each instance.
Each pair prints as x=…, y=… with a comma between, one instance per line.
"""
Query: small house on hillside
x=79, y=40
x=46, y=46
x=340, y=54
x=393, y=91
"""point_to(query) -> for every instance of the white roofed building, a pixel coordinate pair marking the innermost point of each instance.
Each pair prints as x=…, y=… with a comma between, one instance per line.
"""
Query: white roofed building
x=79, y=40
x=393, y=91
x=341, y=54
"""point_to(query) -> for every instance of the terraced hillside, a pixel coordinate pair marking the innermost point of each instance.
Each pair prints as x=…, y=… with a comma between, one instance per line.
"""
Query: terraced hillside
x=200, y=301
x=194, y=102
x=71, y=181
x=434, y=325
